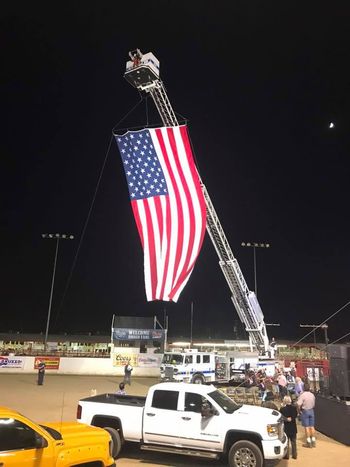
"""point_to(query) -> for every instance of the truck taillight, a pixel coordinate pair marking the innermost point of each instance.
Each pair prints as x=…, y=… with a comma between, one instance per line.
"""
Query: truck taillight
x=79, y=412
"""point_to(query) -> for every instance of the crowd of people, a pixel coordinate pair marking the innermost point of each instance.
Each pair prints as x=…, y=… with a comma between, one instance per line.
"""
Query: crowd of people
x=291, y=395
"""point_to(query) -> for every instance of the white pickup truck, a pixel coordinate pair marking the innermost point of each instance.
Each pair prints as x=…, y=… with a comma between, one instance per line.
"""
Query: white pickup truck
x=189, y=419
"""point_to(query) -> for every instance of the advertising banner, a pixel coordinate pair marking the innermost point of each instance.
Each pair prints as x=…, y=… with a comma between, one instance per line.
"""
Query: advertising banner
x=121, y=359
x=51, y=363
x=128, y=334
x=11, y=362
x=149, y=360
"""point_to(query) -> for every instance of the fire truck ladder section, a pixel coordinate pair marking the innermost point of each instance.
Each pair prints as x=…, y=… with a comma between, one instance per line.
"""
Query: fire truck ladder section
x=145, y=77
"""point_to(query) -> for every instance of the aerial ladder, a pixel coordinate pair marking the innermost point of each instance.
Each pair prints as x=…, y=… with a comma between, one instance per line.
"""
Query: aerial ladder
x=142, y=72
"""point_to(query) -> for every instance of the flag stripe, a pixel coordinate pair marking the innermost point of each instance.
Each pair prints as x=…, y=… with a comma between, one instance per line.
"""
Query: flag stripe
x=152, y=260
x=189, y=220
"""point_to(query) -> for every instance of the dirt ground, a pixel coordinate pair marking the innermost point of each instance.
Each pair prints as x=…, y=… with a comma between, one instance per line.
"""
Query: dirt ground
x=57, y=400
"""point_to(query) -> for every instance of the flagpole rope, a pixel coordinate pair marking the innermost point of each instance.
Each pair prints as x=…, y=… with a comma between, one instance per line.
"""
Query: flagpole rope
x=194, y=153
x=146, y=102
x=127, y=114
x=90, y=211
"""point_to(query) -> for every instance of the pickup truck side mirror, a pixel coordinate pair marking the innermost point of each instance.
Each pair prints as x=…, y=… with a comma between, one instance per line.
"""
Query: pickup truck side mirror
x=40, y=442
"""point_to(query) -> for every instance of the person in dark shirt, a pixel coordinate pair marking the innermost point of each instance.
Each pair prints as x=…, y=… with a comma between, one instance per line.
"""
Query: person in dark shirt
x=41, y=373
x=127, y=373
x=290, y=414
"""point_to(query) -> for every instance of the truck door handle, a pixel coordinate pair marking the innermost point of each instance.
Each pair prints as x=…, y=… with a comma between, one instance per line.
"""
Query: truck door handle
x=150, y=414
x=186, y=418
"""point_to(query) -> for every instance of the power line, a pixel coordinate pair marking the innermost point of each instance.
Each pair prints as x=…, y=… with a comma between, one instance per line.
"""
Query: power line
x=324, y=322
x=337, y=340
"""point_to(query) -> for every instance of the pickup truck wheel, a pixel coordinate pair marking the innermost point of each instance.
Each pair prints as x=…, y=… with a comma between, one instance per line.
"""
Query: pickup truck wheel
x=116, y=441
x=245, y=454
x=198, y=379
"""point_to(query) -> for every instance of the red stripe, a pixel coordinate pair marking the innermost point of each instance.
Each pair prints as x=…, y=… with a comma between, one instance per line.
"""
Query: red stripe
x=168, y=234
x=195, y=176
x=151, y=247
x=137, y=220
x=159, y=211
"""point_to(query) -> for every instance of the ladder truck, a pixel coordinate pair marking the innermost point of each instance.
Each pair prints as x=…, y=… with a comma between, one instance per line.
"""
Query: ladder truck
x=142, y=72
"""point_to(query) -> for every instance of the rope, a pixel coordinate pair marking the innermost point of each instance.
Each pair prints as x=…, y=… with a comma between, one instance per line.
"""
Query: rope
x=334, y=342
x=146, y=102
x=340, y=338
x=184, y=119
x=126, y=115
x=84, y=230
x=89, y=212
x=194, y=155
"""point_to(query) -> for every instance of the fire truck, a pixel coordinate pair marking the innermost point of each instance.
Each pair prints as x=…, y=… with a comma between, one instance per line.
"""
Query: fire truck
x=142, y=72
x=197, y=367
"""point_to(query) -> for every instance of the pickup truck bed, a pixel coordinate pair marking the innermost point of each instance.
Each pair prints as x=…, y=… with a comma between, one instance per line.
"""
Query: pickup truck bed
x=136, y=401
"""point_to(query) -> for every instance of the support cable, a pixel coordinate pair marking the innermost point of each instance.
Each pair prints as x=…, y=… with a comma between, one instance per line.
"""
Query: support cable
x=90, y=211
x=324, y=322
x=334, y=342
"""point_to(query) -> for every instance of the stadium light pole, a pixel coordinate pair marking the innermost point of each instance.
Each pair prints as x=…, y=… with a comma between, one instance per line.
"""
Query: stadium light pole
x=255, y=245
x=56, y=237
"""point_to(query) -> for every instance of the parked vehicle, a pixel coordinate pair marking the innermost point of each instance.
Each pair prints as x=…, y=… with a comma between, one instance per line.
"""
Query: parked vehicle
x=189, y=419
x=203, y=367
x=63, y=444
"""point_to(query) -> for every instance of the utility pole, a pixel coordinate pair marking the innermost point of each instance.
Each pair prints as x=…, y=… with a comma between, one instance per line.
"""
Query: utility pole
x=314, y=327
x=56, y=237
x=255, y=245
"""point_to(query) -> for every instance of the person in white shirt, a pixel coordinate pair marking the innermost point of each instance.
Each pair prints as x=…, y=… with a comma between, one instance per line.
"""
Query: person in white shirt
x=306, y=404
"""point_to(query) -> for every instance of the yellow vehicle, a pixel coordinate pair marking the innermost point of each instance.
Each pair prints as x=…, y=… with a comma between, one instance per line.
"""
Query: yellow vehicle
x=24, y=443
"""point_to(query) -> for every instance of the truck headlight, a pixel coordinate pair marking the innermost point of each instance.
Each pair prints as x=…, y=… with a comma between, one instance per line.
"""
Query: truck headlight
x=272, y=430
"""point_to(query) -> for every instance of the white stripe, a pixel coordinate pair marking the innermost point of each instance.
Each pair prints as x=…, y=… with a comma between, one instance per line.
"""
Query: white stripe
x=147, y=272
x=174, y=217
x=180, y=289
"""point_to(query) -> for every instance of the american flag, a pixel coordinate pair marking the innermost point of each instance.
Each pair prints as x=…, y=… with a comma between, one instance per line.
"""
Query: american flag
x=168, y=205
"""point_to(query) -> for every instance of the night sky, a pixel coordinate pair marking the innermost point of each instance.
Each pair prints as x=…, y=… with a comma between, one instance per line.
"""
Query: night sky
x=259, y=83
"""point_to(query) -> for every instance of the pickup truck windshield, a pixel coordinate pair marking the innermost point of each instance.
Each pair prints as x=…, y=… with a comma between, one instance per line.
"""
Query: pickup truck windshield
x=227, y=404
x=173, y=359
